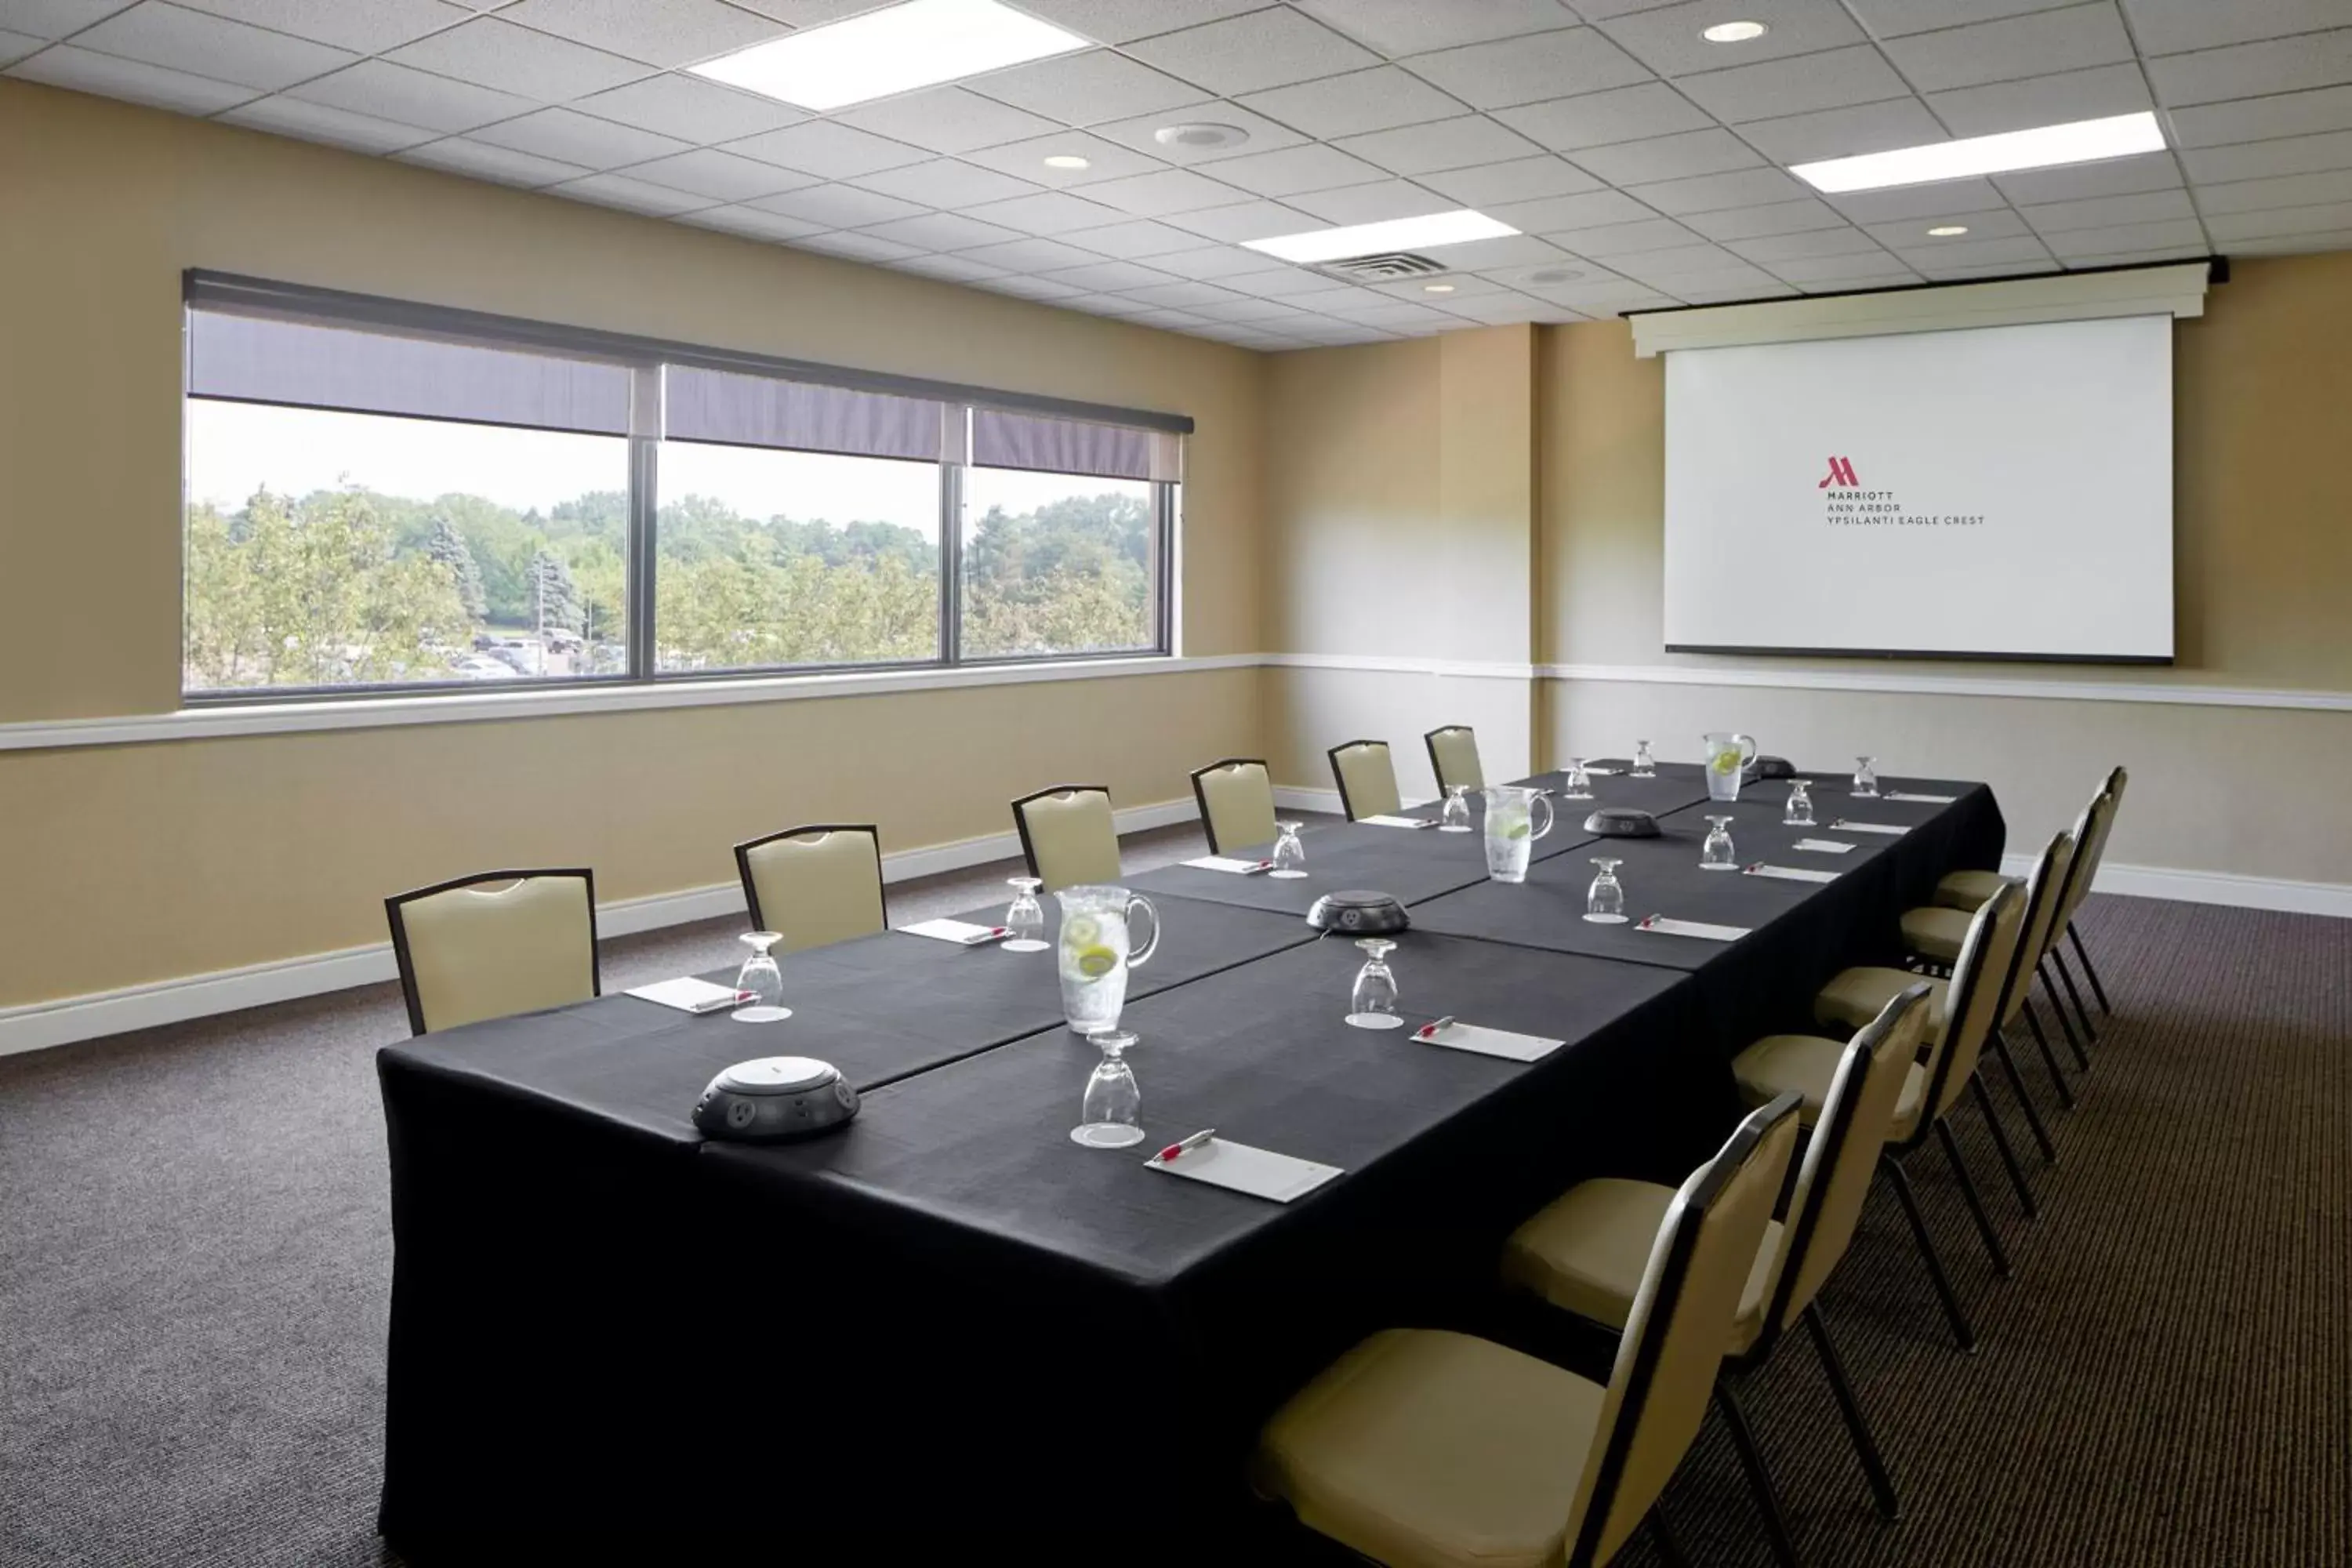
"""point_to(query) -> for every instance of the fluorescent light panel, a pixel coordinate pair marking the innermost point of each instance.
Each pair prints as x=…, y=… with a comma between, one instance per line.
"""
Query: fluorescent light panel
x=2081, y=142
x=920, y=44
x=1397, y=234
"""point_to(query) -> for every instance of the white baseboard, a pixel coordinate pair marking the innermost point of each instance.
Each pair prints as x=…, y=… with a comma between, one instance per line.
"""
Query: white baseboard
x=2278, y=893
x=1289, y=798
x=36, y=1025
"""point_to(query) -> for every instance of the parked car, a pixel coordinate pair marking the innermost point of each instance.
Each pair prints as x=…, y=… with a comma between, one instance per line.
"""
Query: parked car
x=481, y=667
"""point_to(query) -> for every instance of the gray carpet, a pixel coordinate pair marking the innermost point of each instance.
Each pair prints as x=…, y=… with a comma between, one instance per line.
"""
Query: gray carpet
x=191, y=1312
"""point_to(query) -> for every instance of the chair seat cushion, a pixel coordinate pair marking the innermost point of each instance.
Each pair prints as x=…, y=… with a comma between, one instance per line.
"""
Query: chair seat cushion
x=1420, y=1447
x=1585, y=1253
x=1804, y=1065
x=1970, y=890
x=1858, y=995
x=1937, y=932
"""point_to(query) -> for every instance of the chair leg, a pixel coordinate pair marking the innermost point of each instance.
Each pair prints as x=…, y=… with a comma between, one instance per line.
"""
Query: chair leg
x=2001, y=1142
x=2025, y=1100
x=1751, y=1459
x=2075, y=933
x=1963, y=1335
x=1881, y=1484
x=2049, y=1057
x=1662, y=1536
x=2082, y=1014
x=2058, y=1007
x=1975, y=1199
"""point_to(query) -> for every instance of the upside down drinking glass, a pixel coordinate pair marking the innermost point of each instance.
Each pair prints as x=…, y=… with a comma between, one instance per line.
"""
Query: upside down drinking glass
x=1799, y=812
x=1289, y=855
x=1716, y=854
x=1605, y=904
x=1026, y=917
x=1372, y=1004
x=1455, y=817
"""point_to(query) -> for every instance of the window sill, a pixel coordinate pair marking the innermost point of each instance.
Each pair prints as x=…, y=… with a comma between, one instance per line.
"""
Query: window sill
x=215, y=721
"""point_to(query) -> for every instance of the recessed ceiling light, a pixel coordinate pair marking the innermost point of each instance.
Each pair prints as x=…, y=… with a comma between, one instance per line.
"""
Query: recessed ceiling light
x=1066, y=161
x=1946, y=230
x=1362, y=239
x=1437, y=287
x=1734, y=32
x=918, y=44
x=1199, y=136
x=2079, y=141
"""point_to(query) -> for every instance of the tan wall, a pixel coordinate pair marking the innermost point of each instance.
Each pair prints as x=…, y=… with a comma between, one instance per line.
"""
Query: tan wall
x=128, y=864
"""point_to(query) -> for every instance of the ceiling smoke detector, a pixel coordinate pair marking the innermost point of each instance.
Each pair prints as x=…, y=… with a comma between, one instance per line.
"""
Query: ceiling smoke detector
x=1200, y=136
x=1382, y=267
x=1554, y=275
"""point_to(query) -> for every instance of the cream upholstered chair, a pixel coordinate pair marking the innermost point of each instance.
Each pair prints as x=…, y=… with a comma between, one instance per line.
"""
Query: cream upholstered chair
x=1454, y=757
x=1236, y=797
x=2117, y=778
x=1584, y=1253
x=813, y=885
x=1421, y=1446
x=1961, y=1012
x=1366, y=779
x=1067, y=836
x=1960, y=889
x=495, y=944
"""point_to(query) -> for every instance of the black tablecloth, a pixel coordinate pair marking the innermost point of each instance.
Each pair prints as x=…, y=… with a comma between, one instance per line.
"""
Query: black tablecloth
x=1410, y=863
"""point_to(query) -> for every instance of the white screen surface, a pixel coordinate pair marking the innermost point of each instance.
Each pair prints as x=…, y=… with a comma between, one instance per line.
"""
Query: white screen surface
x=2002, y=493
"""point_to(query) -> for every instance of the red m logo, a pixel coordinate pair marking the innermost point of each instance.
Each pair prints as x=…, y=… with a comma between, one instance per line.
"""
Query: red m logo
x=1840, y=473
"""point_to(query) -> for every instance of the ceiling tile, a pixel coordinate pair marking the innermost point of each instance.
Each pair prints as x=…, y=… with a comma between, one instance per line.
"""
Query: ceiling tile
x=954, y=269
x=1677, y=157
x=483, y=161
x=635, y=195
x=836, y=206
x=1026, y=160
x=1625, y=238
x=1668, y=38
x=1246, y=53
x=1314, y=167
x=1833, y=79
x=2229, y=228
x=2171, y=26
x=2249, y=70
x=1681, y=260
x=2093, y=94
x=1259, y=133
x=1249, y=309
x=1933, y=255
x=689, y=109
x=205, y=45
x=1245, y=221
x=1876, y=270
x=1712, y=193
x=2261, y=160
x=670, y=33
x=1285, y=282
x=2296, y=245
x=1169, y=191
x=1376, y=202
x=1520, y=180
x=1911, y=234
x=822, y=147
x=1620, y=114
x=722, y=176
x=2118, y=239
x=576, y=138
x=1844, y=132
x=415, y=97
x=1135, y=239
x=752, y=224
x=17, y=46
x=1591, y=209
x=1032, y=256
x=1530, y=69
x=1048, y=212
x=942, y=231
x=1251, y=272
x=1892, y=18
x=1484, y=255
x=2286, y=190
x=1106, y=305
x=1776, y=217
x=1106, y=276
x=1117, y=21
x=947, y=120
x=377, y=25
x=862, y=247
x=1395, y=313
x=1398, y=27
x=2034, y=44
x=85, y=71
x=1919, y=201
x=796, y=13
x=1161, y=317
x=946, y=183
x=1082, y=89
x=1991, y=269
x=490, y=53
x=1507, y=307
x=1456, y=143
x=1773, y=249
x=1463, y=286
x=2116, y=177
x=1181, y=294
x=1380, y=99
x=1600, y=295
x=317, y=123
x=2097, y=212
x=2254, y=119
x=55, y=18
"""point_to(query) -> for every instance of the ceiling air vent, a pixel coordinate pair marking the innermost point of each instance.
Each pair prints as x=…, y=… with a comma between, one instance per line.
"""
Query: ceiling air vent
x=1384, y=267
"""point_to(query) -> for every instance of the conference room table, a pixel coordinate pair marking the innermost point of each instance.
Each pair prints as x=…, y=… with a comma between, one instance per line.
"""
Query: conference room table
x=950, y=1319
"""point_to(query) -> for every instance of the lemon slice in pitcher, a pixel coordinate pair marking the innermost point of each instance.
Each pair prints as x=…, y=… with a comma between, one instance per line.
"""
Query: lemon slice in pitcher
x=1097, y=961
x=1080, y=931
x=1726, y=762
x=1517, y=830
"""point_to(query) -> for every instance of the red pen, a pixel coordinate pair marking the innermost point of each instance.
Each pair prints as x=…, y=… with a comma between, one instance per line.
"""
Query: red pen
x=1183, y=1146
x=1431, y=1030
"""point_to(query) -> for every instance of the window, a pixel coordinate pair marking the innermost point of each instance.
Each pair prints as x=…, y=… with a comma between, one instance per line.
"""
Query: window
x=382, y=496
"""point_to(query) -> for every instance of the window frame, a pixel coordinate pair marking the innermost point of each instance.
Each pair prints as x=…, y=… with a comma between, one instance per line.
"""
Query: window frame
x=645, y=357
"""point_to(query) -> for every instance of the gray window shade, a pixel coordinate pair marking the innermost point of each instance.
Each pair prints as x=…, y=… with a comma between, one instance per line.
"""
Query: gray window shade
x=261, y=359
x=1002, y=439
x=701, y=405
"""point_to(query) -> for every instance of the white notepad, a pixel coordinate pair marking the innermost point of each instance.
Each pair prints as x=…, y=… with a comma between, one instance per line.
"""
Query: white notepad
x=1601, y=773
x=1228, y=863
x=1822, y=845
x=1395, y=822
x=1698, y=929
x=688, y=995
x=1261, y=1173
x=961, y=932
x=1842, y=826
x=1789, y=873
x=1922, y=799
x=1490, y=1042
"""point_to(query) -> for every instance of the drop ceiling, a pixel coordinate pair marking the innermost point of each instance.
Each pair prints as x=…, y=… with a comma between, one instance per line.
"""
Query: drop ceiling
x=1645, y=167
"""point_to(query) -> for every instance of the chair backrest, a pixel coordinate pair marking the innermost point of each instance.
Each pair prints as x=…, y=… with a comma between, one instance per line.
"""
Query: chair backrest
x=1681, y=1319
x=494, y=944
x=1843, y=1157
x=2092, y=849
x=1972, y=1002
x=1454, y=757
x=1236, y=798
x=1067, y=836
x=1365, y=777
x=814, y=885
x=2045, y=891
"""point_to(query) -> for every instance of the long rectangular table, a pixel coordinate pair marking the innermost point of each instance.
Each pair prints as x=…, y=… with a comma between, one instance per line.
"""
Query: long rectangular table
x=949, y=1310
